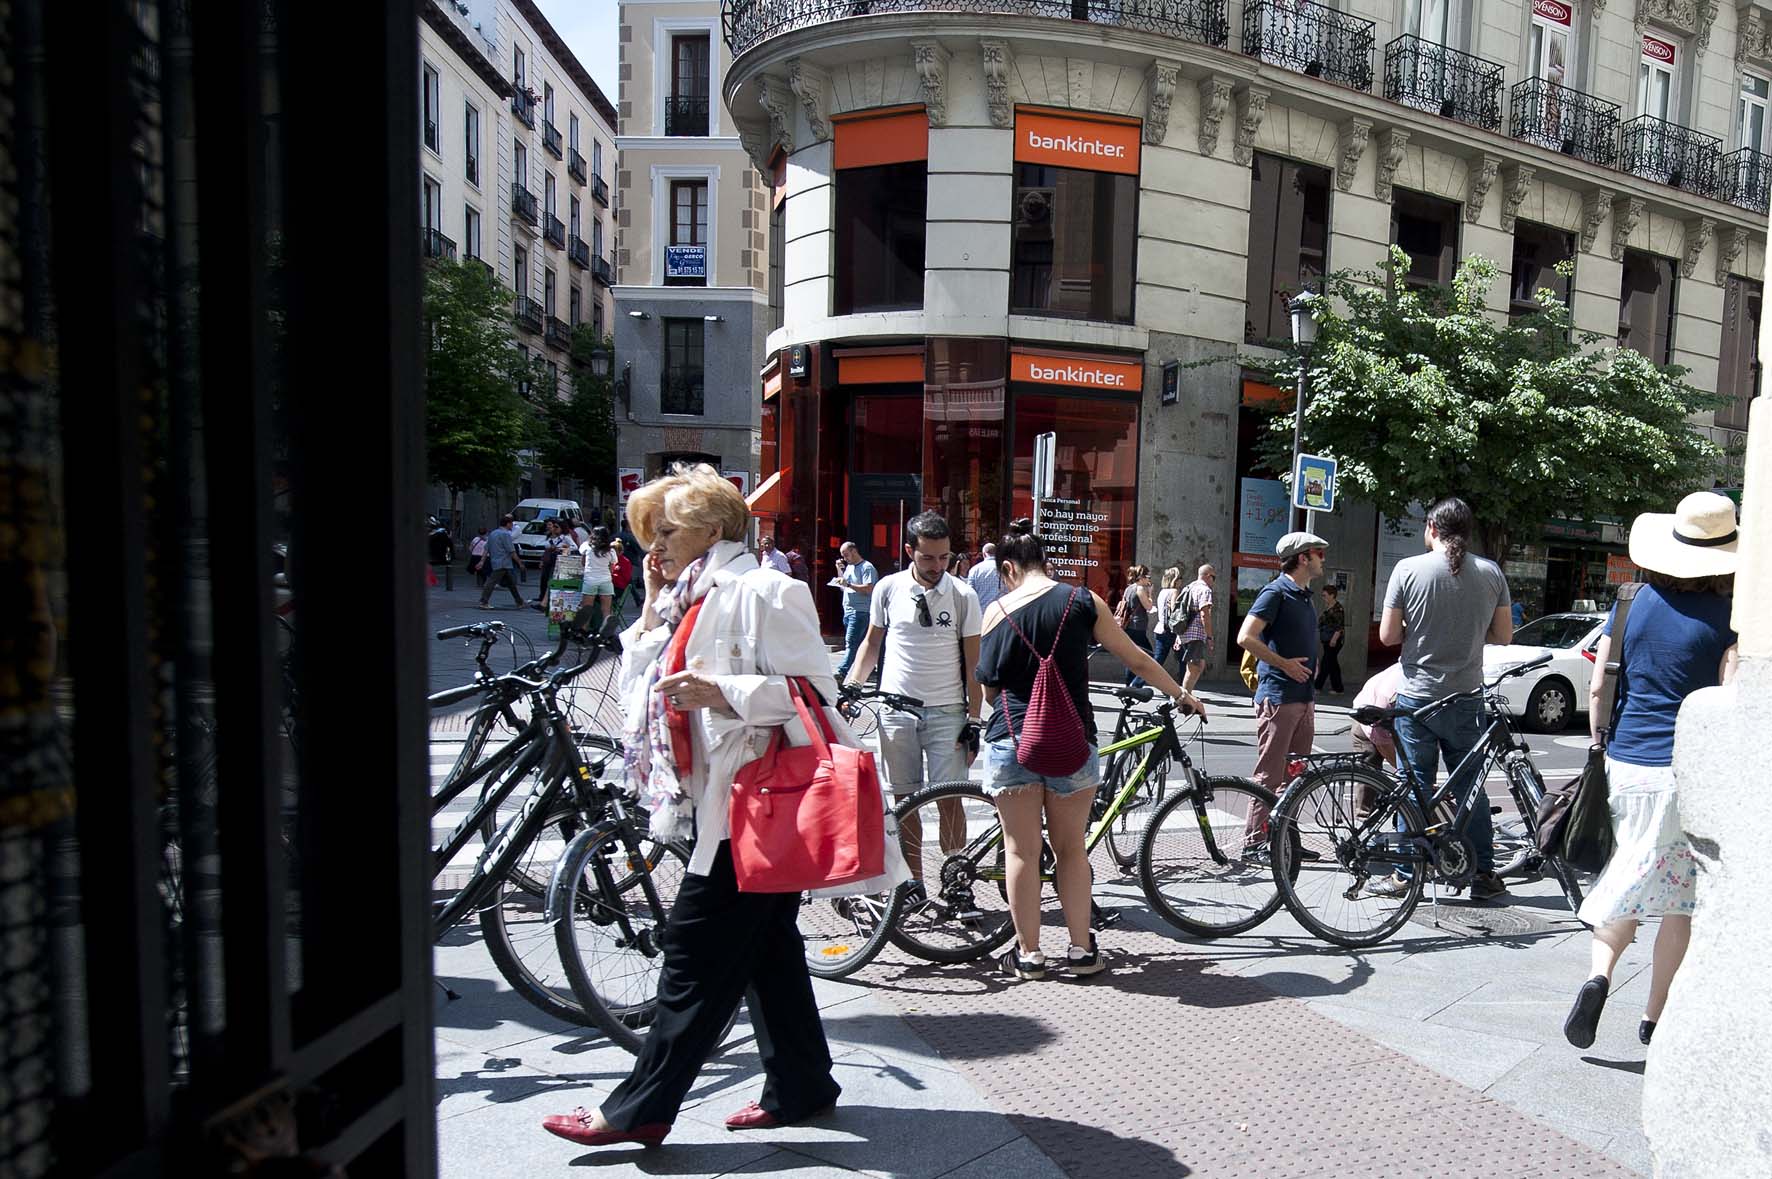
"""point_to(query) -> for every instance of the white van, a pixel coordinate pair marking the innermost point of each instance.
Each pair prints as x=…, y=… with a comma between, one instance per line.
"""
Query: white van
x=532, y=516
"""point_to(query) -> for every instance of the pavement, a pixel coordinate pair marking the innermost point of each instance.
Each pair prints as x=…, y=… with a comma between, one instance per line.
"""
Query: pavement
x=1268, y=1054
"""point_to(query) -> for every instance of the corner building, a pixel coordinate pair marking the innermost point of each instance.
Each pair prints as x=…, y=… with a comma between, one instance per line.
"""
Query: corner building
x=997, y=219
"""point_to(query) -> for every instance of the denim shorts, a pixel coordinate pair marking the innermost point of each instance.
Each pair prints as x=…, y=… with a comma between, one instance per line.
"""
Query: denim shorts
x=1003, y=773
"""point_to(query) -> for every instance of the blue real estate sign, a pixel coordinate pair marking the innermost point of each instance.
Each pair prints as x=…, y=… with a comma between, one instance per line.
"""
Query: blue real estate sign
x=686, y=261
x=1313, y=483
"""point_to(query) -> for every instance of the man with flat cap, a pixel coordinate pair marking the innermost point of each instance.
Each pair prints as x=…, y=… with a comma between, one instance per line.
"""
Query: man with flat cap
x=1281, y=632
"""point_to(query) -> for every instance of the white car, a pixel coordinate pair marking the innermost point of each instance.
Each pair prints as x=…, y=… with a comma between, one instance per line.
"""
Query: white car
x=1549, y=697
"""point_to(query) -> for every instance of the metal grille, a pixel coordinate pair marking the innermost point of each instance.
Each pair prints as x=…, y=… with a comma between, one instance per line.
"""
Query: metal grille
x=1203, y=21
x=1669, y=153
x=1311, y=39
x=1443, y=81
x=1746, y=178
x=1565, y=120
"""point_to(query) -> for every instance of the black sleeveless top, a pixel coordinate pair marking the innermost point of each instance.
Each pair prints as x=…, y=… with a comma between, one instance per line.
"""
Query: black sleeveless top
x=1005, y=662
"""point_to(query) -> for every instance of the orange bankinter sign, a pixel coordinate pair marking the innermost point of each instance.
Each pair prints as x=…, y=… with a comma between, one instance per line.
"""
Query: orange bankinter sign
x=1119, y=376
x=1069, y=141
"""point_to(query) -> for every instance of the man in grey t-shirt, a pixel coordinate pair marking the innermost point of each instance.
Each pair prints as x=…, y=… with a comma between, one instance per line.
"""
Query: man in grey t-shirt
x=1442, y=607
x=501, y=555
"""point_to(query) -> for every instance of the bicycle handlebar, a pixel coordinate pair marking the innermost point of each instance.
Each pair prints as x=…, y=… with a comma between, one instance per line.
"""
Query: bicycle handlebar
x=477, y=629
x=1372, y=714
x=455, y=695
x=890, y=699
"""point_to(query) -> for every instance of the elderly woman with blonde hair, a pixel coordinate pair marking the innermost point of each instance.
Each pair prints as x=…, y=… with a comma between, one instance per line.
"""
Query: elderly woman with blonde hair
x=704, y=678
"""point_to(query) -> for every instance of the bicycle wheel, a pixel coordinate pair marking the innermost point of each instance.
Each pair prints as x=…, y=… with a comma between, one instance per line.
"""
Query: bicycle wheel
x=515, y=924
x=1527, y=787
x=1126, y=832
x=843, y=934
x=953, y=910
x=607, y=927
x=1202, y=870
x=1332, y=839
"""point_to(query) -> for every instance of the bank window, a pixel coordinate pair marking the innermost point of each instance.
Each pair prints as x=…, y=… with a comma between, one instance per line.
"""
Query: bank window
x=1738, y=369
x=1288, y=241
x=1427, y=230
x=680, y=387
x=1537, y=250
x=1751, y=112
x=433, y=109
x=1076, y=238
x=882, y=206
x=1646, y=305
x=1088, y=524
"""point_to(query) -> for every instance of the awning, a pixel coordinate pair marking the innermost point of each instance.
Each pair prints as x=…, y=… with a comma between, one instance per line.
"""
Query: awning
x=766, y=500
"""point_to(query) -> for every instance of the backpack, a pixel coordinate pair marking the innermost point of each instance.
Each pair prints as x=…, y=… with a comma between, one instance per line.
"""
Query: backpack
x=1122, y=612
x=1249, y=670
x=1052, y=741
x=1181, y=612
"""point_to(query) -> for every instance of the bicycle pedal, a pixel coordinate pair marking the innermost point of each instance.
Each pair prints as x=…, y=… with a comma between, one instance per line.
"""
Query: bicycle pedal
x=1104, y=920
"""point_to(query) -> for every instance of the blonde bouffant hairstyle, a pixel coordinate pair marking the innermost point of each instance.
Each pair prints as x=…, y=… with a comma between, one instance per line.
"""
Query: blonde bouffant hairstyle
x=692, y=496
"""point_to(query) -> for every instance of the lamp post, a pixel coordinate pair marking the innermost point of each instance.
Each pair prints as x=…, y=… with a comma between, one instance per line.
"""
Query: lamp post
x=1304, y=334
x=602, y=360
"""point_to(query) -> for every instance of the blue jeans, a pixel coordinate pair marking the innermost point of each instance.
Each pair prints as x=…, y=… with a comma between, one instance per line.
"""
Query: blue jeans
x=1140, y=638
x=1161, y=645
x=1451, y=732
x=855, y=629
x=1003, y=773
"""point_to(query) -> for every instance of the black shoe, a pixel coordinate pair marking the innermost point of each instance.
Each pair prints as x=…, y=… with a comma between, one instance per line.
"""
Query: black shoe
x=1082, y=964
x=1646, y=1031
x=1486, y=886
x=1013, y=964
x=1584, y=1017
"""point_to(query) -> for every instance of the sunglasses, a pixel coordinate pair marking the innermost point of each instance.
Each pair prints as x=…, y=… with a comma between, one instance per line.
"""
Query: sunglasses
x=923, y=617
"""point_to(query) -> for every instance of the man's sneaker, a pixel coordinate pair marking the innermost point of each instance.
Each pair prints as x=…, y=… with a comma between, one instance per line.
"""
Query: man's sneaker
x=1031, y=967
x=1389, y=886
x=1081, y=962
x=1487, y=886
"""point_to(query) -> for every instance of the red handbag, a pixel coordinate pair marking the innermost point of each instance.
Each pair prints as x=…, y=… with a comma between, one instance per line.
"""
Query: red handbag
x=807, y=816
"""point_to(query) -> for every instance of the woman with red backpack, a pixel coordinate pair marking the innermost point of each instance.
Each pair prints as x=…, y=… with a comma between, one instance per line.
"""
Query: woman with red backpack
x=1034, y=664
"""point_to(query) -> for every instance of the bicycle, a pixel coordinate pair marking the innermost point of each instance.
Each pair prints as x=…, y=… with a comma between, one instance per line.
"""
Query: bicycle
x=1348, y=820
x=1124, y=833
x=1199, y=866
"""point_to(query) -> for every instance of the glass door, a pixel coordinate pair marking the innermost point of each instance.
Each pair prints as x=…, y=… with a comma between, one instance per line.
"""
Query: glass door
x=1548, y=58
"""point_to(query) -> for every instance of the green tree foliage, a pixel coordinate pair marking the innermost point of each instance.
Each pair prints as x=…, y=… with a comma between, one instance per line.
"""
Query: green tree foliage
x=1419, y=392
x=475, y=419
x=578, y=428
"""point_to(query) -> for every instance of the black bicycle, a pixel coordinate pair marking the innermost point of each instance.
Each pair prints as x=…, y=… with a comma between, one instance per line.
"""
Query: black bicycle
x=1353, y=844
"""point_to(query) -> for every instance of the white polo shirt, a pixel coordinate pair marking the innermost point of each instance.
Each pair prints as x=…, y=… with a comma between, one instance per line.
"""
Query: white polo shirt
x=920, y=661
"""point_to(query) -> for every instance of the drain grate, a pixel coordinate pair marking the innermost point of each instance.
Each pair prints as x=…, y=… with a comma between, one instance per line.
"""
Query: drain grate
x=1478, y=920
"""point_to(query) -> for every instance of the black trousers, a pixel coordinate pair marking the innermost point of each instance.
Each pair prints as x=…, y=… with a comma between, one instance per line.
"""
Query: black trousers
x=496, y=578
x=1330, y=670
x=720, y=943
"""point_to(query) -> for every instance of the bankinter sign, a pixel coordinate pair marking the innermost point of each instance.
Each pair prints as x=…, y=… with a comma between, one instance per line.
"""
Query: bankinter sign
x=1064, y=141
x=1116, y=375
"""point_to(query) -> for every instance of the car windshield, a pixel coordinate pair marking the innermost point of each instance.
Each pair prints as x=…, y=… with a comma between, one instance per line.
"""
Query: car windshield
x=534, y=527
x=1554, y=630
x=532, y=513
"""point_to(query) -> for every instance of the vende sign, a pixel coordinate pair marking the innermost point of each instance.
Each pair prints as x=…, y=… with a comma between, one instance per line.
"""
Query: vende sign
x=1552, y=11
x=1657, y=50
x=1065, y=141
x=1119, y=376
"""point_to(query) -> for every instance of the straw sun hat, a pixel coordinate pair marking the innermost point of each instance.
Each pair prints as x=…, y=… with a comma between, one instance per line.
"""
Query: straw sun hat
x=1697, y=539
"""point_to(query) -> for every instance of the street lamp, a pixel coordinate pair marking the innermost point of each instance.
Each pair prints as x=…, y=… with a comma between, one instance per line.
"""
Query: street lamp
x=602, y=360
x=1304, y=334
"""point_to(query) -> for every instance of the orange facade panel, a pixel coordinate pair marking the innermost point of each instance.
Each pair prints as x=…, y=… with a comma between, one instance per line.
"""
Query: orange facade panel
x=896, y=135
x=902, y=369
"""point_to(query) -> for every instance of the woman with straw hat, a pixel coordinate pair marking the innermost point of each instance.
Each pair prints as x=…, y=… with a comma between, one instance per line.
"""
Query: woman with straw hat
x=1677, y=640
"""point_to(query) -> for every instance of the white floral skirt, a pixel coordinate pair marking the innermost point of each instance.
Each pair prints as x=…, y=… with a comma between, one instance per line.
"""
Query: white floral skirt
x=1652, y=872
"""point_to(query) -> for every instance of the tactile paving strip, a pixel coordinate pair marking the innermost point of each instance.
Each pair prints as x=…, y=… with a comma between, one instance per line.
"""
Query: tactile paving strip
x=1165, y=1067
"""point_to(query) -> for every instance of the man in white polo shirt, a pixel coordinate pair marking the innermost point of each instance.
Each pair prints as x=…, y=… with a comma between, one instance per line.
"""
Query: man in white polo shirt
x=928, y=621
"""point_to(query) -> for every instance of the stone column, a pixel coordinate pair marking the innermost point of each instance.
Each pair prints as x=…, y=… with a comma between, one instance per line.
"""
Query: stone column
x=1707, y=1084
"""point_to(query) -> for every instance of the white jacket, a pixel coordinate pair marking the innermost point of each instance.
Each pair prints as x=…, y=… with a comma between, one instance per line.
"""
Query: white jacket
x=756, y=627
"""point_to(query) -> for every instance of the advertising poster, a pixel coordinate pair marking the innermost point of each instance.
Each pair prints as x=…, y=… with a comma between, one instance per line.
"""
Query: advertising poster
x=627, y=481
x=563, y=589
x=1264, y=515
x=1398, y=537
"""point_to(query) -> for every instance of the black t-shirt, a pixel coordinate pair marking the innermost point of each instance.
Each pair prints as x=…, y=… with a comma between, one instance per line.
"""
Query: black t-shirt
x=1005, y=662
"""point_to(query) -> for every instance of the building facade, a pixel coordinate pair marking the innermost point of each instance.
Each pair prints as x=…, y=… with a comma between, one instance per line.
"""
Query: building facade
x=997, y=226
x=517, y=152
x=692, y=253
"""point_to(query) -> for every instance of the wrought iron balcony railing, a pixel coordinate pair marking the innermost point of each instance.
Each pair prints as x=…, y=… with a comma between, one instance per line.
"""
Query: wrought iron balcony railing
x=432, y=244
x=602, y=271
x=600, y=190
x=1565, y=120
x=1311, y=39
x=686, y=114
x=523, y=106
x=575, y=165
x=578, y=251
x=1747, y=179
x=558, y=335
x=523, y=203
x=550, y=139
x=1669, y=153
x=1444, y=81
x=527, y=313
x=749, y=22
x=555, y=231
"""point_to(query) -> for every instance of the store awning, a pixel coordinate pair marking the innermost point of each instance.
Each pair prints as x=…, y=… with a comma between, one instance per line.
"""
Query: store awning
x=766, y=500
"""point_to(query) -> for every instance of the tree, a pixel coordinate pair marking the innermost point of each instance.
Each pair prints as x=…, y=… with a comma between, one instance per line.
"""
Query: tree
x=1420, y=393
x=475, y=419
x=578, y=430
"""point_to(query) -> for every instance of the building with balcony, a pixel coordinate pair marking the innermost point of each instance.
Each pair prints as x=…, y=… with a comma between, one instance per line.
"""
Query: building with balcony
x=514, y=134
x=991, y=221
x=691, y=266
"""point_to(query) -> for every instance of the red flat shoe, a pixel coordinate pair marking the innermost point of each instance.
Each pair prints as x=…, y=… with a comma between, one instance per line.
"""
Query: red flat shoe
x=755, y=1117
x=576, y=1127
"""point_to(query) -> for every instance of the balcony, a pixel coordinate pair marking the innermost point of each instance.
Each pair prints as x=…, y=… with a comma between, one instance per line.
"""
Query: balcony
x=1312, y=40
x=1565, y=120
x=749, y=22
x=578, y=252
x=1443, y=81
x=527, y=313
x=523, y=204
x=558, y=335
x=602, y=271
x=550, y=139
x=600, y=190
x=575, y=165
x=1747, y=178
x=523, y=106
x=1670, y=154
x=1192, y=20
x=555, y=232
x=432, y=244
x=686, y=114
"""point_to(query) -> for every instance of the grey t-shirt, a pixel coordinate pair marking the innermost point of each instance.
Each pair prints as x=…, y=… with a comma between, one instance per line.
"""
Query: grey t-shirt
x=1445, y=621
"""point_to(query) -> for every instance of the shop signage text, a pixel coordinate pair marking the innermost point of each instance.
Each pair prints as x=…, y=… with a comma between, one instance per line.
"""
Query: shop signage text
x=1065, y=141
x=1070, y=527
x=1118, y=375
x=1659, y=50
x=1552, y=11
x=686, y=261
